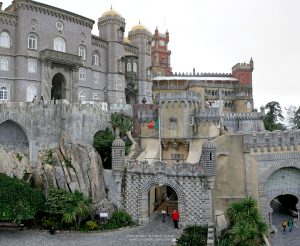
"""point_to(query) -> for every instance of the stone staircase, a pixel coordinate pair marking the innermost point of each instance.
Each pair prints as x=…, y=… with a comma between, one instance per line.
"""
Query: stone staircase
x=138, y=148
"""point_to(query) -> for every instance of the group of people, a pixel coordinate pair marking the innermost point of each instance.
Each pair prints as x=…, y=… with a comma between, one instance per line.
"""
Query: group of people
x=289, y=224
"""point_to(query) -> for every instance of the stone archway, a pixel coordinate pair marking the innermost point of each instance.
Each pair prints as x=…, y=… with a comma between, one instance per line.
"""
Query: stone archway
x=280, y=179
x=58, y=90
x=143, y=198
x=13, y=136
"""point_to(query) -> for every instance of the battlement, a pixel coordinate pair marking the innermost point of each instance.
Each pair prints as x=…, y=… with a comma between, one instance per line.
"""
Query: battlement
x=210, y=114
x=190, y=74
x=242, y=67
x=271, y=141
x=180, y=96
x=242, y=116
x=156, y=166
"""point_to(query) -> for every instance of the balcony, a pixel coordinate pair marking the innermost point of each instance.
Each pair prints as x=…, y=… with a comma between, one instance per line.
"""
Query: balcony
x=61, y=57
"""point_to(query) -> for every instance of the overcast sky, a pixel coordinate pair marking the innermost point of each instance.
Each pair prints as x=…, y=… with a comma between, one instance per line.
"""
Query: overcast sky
x=214, y=35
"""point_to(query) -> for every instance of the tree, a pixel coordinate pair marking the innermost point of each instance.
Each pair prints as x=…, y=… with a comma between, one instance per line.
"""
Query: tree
x=18, y=201
x=293, y=117
x=273, y=117
x=102, y=143
x=69, y=207
x=247, y=226
x=123, y=123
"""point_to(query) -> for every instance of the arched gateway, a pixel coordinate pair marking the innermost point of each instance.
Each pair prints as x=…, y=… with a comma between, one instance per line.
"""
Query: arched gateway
x=279, y=181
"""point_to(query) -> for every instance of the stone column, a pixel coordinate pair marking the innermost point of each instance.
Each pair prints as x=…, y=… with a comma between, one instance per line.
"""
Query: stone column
x=46, y=81
x=73, y=97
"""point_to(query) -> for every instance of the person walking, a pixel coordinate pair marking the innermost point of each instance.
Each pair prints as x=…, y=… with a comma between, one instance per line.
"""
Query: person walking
x=290, y=224
x=175, y=217
x=284, y=224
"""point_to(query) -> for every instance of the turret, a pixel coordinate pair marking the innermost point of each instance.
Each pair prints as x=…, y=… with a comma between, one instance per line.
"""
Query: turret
x=141, y=37
x=111, y=27
x=243, y=72
x=208, y=158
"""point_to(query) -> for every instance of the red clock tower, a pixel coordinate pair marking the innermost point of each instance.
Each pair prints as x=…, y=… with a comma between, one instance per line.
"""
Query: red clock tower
x=160, y=55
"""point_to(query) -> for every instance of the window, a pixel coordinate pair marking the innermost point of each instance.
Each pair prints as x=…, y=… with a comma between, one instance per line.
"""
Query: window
x=59, y=25
x=59, y=44
x=82, y=52
x=96, y=97
x=82, y=95
x=32, y=41
x=172, y=123
x=32, y=64
x=81, y=74
x=30, y=93
x=95, y=60
x=3, y=93
x=5, y=40
x=134, y=67
x=4, y=64
x=96, y=77
x=191, y=120
x=148, y=47
x=120, y=34
x=161, y=42
x=148, y=73
x=177, y=157
x=129, y=65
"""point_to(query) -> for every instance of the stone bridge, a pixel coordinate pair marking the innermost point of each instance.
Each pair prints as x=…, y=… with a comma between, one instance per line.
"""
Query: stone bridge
x=28, y=126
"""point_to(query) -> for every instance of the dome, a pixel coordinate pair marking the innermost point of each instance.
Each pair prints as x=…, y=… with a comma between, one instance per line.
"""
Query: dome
x=118, y=142
x=209, y=144
x=139, y=27
x=111, y=12
x=127, y=41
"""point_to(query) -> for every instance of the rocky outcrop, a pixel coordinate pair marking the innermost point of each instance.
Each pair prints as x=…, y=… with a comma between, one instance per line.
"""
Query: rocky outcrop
x=70, y=167
x=14, y=163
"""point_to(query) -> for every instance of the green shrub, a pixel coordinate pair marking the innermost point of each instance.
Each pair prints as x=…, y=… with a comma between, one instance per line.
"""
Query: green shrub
x=118, y=219
x=90, y=225
x=193, y=236
x=72, y=207
x=18, y=201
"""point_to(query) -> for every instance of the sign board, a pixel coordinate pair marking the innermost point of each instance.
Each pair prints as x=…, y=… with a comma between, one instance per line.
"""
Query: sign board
x=103, y=215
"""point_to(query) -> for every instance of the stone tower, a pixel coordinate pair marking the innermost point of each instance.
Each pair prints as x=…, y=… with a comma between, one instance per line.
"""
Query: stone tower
x=111, y=26
x=208, y=158
x=243, y=72
x=141, y=37
x=160, y=55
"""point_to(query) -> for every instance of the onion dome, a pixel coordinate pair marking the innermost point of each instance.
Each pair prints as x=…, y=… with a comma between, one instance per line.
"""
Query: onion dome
x=209, y=144
x=139, y=27
x=111, y=12
x=118, y=142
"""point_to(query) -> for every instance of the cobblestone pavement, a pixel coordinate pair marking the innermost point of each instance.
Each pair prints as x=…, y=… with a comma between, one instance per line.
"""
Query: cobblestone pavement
x=286, y=238
x=155, y=233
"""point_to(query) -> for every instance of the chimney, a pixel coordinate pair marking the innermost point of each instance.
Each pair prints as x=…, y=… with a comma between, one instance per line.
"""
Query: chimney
x=194, y=71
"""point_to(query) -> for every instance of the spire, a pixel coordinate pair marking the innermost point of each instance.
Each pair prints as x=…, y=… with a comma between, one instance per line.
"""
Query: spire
x=111, y=7
x=139, y=22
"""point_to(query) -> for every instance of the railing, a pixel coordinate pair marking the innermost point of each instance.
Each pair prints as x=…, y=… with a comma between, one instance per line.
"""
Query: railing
x=61, y=57
x=118, y=107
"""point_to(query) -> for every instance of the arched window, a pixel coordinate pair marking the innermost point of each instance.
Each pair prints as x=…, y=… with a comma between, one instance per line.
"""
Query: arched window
x=82, y=95
x=129, y=65
x=82, y=52
x=32, y=65
x=96, y=98
x=82, y=74
x=32, y=41
x=121, y=34
x=3, y=93
x=59, y=44
x=96, y=59
x=134, y=67
x=30, y=93
x=148, y=73
x=4, y=64
x=148, y=47
x=4, y=40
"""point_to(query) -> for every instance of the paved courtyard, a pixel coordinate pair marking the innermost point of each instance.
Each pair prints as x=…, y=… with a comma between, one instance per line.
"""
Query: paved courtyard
x=155, y=234
x=286, y=238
